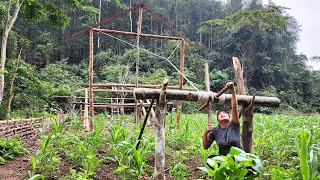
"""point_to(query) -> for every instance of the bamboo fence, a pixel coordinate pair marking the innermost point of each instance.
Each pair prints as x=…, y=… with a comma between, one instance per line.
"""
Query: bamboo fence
x=23, y=128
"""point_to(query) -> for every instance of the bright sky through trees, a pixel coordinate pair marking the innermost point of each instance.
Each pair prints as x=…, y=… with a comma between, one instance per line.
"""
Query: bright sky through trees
x=307, y=14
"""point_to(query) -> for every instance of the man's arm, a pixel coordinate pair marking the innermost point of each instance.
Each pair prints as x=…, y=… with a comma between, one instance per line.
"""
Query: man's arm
x=206, y=143
x=234, y=105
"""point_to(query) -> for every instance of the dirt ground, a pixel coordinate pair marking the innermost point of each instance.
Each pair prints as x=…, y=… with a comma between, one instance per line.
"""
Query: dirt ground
x=18, y=168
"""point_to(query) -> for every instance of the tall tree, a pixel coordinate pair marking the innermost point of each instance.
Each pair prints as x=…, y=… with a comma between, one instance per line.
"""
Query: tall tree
x=34, y=11
x=10, y=17
x=246, y=25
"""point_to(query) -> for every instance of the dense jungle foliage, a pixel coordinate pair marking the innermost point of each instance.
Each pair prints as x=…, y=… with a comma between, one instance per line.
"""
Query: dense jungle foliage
x=44, y=59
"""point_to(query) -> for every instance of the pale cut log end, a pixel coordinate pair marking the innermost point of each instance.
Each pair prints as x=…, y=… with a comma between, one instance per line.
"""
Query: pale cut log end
x=165, y=84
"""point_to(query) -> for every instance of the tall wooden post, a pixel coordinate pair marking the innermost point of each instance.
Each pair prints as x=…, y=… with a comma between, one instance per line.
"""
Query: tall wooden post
x=86, y=112
x=206, y=72
x=159, y=134
x=139, y=25
x=247, y=113
x=91, y=112
x=181, y=79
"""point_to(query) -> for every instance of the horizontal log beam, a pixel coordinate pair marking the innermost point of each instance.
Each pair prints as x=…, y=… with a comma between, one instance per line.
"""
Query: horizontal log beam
x=136, y=34
x=201, y=97
x=110, y=90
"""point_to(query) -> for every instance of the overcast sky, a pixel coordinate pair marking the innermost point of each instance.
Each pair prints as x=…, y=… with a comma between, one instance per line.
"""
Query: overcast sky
x=307, y=13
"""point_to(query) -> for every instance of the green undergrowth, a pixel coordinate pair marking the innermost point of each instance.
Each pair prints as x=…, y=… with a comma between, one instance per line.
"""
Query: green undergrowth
x=288, y=147
x=10, y=148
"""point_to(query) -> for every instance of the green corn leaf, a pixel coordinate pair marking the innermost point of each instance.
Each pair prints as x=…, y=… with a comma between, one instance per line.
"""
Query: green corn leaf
x=313, y=164
x=302, y=146
x=203, y=169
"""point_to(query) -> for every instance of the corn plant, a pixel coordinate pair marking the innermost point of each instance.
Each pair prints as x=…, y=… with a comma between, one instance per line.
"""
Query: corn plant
x=138, y=157
x=179, y=171
x=307, y=155
x=279, y=173
x=45, y=160
x=81, y=148
x=117, y=132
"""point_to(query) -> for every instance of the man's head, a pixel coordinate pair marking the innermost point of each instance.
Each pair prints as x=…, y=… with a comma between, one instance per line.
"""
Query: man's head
x=223, y=116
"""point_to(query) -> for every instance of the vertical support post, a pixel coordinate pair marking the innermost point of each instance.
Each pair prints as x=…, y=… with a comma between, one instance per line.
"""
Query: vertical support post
x=81, y=110
x=206, y=72
x=139, y=25
x=159, y=134
x=181, y=79
x=91, y=112
x=247, y=113
x=86, y=123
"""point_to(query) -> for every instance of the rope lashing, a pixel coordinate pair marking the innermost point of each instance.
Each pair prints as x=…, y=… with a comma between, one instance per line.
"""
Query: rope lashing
x=167, y=59
x=203, y=97
x=222, y=99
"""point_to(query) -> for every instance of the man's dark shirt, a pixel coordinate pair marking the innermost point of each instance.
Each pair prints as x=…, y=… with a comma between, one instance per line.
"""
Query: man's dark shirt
x=226, y=138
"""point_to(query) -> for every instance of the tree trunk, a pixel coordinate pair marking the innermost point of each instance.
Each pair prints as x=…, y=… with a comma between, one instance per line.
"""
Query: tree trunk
x=247, y=113
x=10, y=95
x=8, y=25
x=159, y=134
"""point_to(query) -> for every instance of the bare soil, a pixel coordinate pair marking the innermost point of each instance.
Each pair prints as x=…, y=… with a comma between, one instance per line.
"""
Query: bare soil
x=18, y=168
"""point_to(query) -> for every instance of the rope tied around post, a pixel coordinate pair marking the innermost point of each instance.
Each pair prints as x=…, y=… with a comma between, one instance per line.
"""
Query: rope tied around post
x=222, y=99
x=203, y=97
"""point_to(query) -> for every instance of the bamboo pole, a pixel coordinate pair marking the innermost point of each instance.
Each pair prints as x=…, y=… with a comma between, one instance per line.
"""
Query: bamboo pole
x=159, y=134
x=202, y=97
x=181, y=79
x=206, y=72
x=91, y=112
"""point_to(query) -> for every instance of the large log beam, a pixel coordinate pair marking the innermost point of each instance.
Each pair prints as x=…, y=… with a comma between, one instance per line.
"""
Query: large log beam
x=203, y=97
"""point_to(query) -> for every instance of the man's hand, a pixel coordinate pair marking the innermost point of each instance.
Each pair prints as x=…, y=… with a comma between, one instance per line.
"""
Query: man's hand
x=208, y=128
x=230, y=85
x=206, y=143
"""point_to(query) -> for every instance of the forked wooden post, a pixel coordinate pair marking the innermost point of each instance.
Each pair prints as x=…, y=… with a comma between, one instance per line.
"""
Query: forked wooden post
x=206, y=70
x=247, y=113
x=91, y=111
x=181, y=79
x=159, y=133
